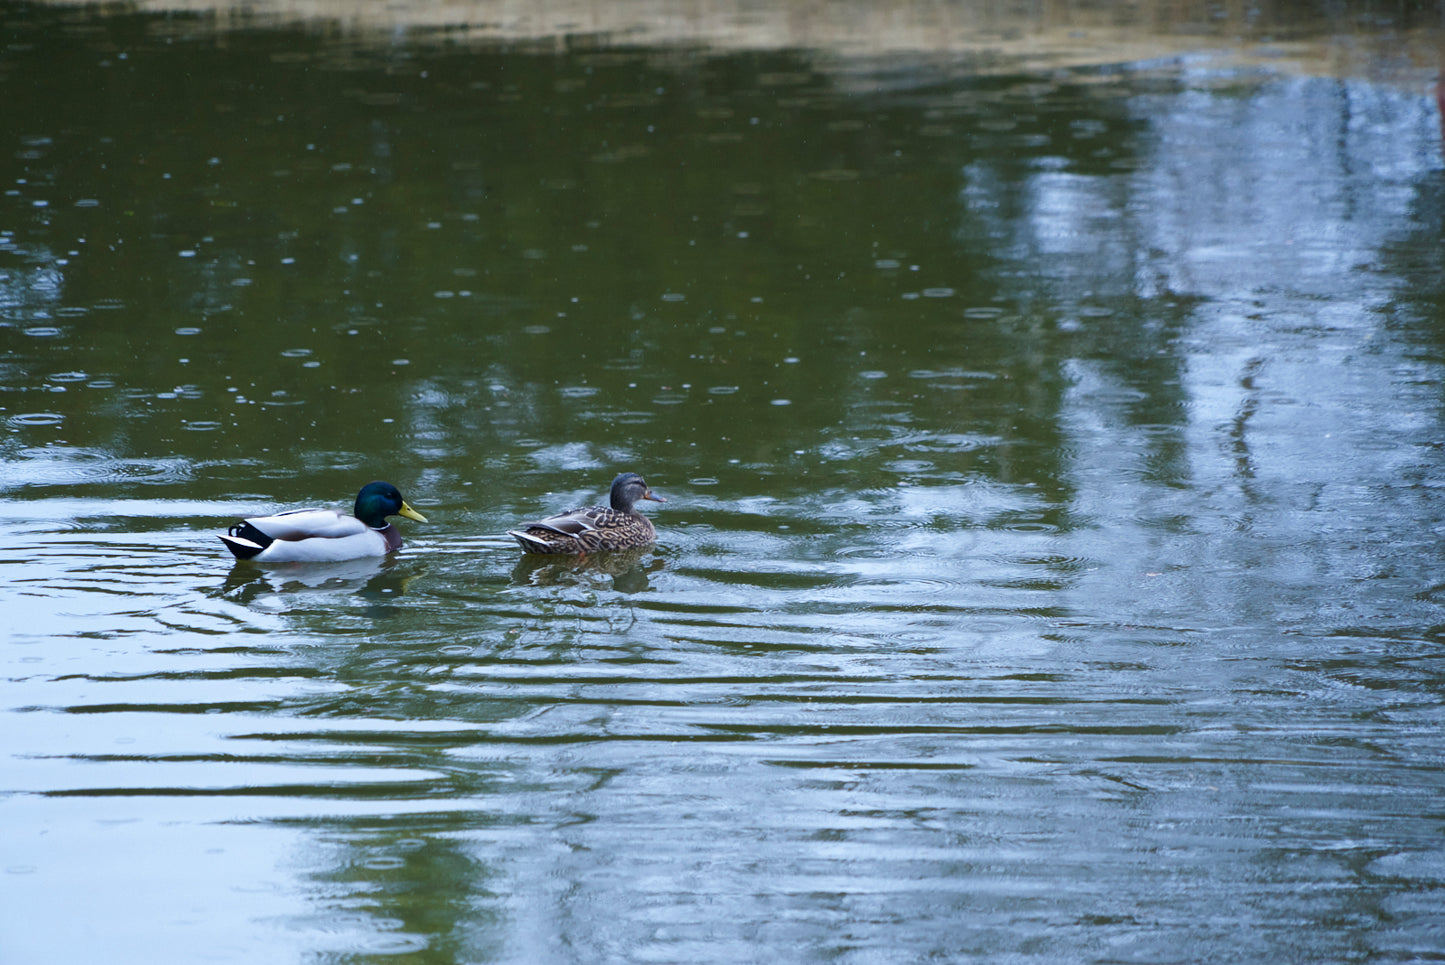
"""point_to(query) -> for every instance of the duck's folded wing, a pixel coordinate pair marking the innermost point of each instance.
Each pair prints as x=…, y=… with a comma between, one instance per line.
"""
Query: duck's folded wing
x=309, y=524
x=575, y=523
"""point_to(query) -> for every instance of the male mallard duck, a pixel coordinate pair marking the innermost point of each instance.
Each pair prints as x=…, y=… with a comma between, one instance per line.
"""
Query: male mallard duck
x=596, y=528
x=324, y=535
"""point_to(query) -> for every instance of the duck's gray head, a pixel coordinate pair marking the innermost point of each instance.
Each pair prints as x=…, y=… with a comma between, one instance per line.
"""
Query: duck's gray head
x=627, y=489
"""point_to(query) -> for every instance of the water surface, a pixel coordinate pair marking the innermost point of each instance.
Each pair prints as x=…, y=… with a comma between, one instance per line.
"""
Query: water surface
x=1049, y=570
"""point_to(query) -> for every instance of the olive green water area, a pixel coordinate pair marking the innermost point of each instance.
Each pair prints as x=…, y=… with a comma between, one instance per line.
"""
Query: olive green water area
x=1050, y=569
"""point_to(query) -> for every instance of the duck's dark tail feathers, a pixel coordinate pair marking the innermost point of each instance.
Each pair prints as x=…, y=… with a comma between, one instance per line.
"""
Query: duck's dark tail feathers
x=532, y=544
x=246, y=541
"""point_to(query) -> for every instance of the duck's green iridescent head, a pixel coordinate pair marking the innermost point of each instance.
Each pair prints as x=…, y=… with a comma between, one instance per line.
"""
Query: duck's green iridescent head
x=378, y=500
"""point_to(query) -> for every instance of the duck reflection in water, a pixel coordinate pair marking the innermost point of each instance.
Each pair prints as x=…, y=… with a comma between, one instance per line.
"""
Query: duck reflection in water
x=376, y=578
x=628, y=569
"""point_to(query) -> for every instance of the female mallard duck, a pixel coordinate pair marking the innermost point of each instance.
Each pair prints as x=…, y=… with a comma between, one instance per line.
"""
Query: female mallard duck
x=324, y=535
x=596, y=528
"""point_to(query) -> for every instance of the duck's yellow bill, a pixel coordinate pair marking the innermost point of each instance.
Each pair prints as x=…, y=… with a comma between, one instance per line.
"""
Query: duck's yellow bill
x=410, y=513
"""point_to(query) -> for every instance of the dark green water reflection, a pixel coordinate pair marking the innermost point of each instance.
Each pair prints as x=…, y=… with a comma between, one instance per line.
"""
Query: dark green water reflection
x=1050, y=566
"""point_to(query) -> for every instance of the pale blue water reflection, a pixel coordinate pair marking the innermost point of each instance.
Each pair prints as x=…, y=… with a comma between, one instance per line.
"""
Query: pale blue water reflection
x=1049, y=571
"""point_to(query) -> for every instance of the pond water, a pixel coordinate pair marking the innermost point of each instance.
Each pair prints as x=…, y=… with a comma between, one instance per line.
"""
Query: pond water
x=1052, y=444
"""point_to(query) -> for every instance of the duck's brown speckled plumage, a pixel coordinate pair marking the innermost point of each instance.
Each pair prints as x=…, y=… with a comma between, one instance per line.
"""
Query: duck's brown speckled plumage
x=594, y=529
